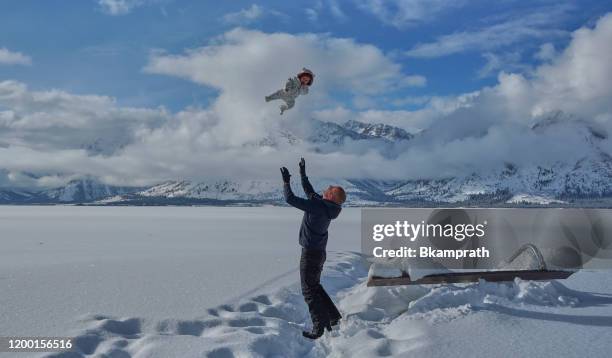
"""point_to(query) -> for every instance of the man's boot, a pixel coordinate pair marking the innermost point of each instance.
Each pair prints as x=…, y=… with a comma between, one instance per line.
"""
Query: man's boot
x=317, y=331
x=335, y=321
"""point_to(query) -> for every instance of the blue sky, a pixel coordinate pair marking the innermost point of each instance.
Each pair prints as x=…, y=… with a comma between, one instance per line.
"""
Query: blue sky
x=82, y=47
x=136, y=92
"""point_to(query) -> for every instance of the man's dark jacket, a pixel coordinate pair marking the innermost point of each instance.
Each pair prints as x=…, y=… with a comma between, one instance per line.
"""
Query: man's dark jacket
x=318, y=213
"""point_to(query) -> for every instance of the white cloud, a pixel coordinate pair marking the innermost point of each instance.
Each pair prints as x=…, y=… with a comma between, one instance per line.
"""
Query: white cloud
x=578, y=80
x=363, y=102
x=124, y=7
x=58, y=120
x=154, y=145
x=492, y=126
x=247, y=65
x=119, y=7
x=410, y=101
x=402, y=13
x=13, y=58
x=244, y=16
x=320, y=7
x=546, y=52
x=536, y=25
x=255, y=12
x=500, y=116
x=508, y=62
x=41, y=132
x=415, y=121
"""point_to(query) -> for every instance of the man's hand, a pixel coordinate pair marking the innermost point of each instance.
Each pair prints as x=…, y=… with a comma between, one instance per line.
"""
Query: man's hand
x=285, y=174
x=302, y=165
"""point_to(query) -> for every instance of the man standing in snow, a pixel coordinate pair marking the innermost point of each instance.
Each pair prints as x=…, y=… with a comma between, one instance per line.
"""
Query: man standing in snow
x=318, y=213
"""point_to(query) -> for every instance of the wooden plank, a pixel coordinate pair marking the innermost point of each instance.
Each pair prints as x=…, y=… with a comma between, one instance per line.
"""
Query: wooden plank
x=458, y=277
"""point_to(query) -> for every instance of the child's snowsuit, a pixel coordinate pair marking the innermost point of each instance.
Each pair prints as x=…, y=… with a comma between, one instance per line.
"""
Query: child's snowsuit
x=293, y=88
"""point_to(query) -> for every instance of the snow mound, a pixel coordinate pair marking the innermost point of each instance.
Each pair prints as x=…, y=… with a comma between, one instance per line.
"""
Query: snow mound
x=450, y=301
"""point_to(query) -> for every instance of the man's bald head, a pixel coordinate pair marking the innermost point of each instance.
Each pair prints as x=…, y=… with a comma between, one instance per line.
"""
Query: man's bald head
x=335, y=194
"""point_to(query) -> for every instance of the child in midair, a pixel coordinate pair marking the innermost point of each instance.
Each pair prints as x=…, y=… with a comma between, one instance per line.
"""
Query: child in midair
x=294, y=87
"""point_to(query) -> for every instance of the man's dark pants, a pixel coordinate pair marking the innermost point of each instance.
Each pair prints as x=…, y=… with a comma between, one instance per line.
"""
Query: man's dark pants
x=321, y=307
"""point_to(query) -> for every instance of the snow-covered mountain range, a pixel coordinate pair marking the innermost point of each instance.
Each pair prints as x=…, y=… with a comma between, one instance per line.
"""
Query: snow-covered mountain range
x=588, y=178
x=84, y=190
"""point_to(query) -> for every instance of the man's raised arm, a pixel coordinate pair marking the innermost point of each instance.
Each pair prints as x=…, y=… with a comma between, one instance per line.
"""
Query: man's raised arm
x=299, y=203
x=308, y=189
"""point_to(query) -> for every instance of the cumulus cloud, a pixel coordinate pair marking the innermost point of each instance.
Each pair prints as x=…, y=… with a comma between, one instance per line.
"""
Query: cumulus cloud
x=577, y=80
x=247, y=65
x=150, y=145
x=59, y=132
x=58, y=120
x=479, y=131
x=501, y=114
x=13, y=58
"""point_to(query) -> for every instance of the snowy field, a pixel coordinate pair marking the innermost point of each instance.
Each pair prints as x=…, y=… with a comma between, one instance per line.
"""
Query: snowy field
x=223, y=282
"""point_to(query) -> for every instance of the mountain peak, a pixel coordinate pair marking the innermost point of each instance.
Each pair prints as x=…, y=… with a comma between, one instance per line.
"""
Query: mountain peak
x=378, y=130
x=85, y=189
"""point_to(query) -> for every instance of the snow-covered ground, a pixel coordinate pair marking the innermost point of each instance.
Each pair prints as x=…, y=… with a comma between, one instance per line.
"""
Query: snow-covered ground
x=223, y=282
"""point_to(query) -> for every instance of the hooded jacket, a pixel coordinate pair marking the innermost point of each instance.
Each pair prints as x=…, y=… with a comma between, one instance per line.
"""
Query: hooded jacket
x=294, y=88
x=318, y=213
